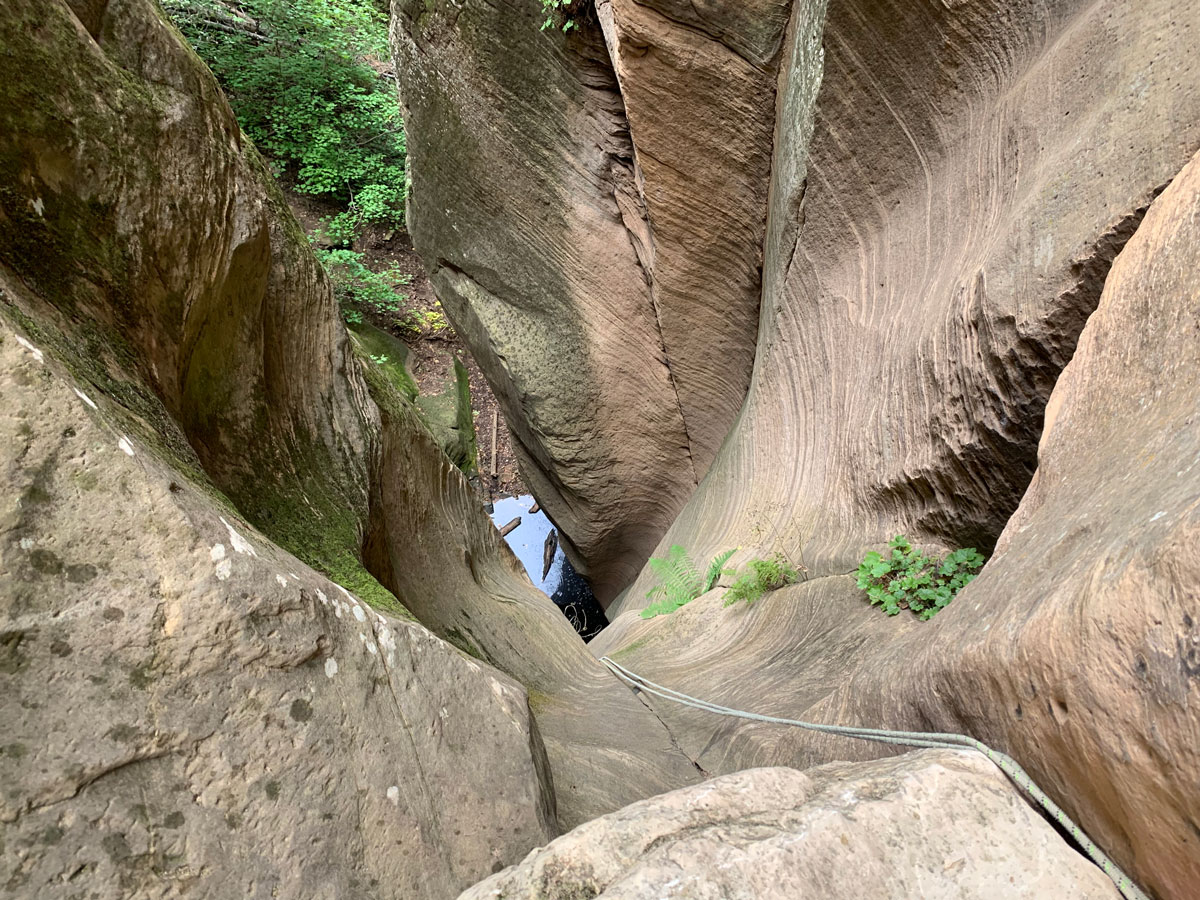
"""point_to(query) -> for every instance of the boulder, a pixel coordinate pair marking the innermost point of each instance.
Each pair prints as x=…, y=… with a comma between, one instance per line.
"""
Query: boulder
x=144, y=244
x=189, y=709
x=887, y=829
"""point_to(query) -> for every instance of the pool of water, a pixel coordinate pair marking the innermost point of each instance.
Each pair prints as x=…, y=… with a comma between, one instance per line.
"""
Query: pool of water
x=567, y=588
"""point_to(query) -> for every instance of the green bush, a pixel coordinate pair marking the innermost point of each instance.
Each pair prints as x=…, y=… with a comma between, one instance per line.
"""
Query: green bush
x=908, y=579
x=359, y=290
x=297, y=74
x=762, y=575
x=681, y=581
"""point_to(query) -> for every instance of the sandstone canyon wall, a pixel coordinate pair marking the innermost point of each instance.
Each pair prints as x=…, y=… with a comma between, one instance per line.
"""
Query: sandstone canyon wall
x=178, y=377
x=615, y=314
x=189, y=709
x=949, y=186
x=918, y=238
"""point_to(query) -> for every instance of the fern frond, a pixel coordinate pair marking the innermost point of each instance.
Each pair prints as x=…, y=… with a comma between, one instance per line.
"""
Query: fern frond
x=680, y=582
x=716, y=569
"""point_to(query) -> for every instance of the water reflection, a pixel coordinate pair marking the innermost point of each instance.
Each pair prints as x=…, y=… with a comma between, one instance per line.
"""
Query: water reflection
x=535, y=542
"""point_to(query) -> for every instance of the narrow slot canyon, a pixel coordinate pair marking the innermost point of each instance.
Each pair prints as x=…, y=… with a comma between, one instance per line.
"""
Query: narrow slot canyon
x=626, y=449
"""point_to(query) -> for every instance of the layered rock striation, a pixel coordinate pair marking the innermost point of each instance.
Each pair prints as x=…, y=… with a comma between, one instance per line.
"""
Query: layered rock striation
x=953, y=191
x=615, y=314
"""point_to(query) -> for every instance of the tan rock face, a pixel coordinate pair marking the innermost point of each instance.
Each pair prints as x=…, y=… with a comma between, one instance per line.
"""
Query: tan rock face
x=960, y=204
x=887, y=829
x=698, y=85
x=1075, y=649
x=143, y=242
x=431, y=545
x=615, y=311
x=162, y=262
x=189, y=709
x=1077, y=646
x=962, y=198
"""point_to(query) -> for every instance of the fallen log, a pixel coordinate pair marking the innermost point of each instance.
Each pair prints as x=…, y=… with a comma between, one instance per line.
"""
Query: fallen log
x=495, y=428
x=548, y=552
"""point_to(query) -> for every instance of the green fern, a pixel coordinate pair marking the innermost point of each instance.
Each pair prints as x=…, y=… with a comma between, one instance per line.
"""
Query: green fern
x=680, y=580
x=717, y=568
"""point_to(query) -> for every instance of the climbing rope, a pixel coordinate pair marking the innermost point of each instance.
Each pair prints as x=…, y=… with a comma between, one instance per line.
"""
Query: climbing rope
x=1006, y=763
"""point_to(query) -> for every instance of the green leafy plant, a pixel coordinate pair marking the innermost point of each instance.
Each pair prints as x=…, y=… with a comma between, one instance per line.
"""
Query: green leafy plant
x=359, y=290
x=762, y=575
x=558, y=11
x=909, y=579
x=300, y=77
x=681, y=580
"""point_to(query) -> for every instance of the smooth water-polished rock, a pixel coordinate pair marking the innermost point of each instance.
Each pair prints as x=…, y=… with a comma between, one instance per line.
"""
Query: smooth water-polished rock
x=934, y=251
x=1076, y=648
x=932, y=824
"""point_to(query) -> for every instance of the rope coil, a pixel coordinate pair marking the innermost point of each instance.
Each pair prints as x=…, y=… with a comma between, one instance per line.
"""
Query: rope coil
x=1004, y=762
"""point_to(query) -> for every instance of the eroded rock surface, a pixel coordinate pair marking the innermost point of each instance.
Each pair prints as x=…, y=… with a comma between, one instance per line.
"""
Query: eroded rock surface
x=1075, y=650
x=963, y=196
x=615, y=311
x=888, y=829
x=432, y=546
x=189, y=709
x=698, y=86
x=175, y=283
x=161, y=261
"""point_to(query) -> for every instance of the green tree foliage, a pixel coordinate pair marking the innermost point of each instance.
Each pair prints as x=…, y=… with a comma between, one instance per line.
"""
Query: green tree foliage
x=358, y=289
x=298, y=75
x=908, y=579
x=558, y=13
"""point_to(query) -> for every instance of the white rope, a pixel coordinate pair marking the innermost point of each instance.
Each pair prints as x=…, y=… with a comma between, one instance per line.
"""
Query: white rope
x=1006, y=764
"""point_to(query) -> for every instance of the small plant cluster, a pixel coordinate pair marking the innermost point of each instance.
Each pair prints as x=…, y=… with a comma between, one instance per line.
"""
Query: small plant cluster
x=359, y=290
x=909, y=579
x=682, y=582
x=427, y=322
x=762, y=575
x=556, y=11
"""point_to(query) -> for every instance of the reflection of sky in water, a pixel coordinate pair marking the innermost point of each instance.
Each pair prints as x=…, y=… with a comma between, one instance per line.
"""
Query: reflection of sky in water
x=563, y=585
x=528, y=541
